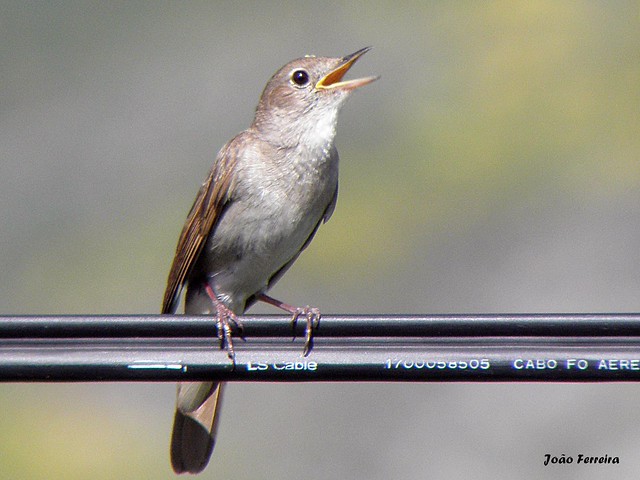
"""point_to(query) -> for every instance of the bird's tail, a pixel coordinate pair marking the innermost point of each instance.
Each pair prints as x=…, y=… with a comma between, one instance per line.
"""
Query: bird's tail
x=195, y=425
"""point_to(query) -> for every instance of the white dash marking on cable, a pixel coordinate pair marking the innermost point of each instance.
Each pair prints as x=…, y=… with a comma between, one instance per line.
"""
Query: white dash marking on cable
x=156, y=366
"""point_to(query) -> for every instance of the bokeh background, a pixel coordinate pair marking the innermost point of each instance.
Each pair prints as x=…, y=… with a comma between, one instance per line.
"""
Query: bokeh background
x=495, y=167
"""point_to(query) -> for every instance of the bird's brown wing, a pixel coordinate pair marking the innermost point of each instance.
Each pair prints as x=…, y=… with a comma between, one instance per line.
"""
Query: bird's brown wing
x=212, y=197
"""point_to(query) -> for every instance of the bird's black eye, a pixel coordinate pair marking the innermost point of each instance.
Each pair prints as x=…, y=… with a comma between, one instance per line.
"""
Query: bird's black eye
x=300, y=77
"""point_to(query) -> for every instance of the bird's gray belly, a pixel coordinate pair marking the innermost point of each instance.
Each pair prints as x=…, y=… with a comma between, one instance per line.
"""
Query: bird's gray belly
x=250, y=244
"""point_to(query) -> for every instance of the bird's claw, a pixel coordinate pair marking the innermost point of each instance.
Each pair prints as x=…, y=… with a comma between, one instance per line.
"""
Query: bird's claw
x=224, y=319
x=311, y=316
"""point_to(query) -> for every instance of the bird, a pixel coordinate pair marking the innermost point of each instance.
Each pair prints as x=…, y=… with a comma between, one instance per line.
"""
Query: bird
x=267, y=193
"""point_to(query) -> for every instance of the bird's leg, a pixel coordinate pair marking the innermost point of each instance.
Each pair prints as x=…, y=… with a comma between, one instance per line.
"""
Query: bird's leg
x=224, y=318
x=311, y=316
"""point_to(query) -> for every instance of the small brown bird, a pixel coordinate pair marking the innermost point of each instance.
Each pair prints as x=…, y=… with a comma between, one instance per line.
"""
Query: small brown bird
x=267, y=193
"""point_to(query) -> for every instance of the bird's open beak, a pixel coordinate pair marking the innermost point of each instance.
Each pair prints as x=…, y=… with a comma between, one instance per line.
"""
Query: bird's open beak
x=333, y=79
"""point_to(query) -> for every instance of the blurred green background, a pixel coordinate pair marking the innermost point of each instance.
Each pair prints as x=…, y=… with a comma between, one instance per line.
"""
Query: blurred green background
x=495, y=167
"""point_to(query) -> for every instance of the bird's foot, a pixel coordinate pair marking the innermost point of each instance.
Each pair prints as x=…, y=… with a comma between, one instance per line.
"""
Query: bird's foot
x=225, y=318
x=311, y=316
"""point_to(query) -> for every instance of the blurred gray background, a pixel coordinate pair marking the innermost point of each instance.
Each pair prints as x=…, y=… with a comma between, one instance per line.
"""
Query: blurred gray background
x=495, y=167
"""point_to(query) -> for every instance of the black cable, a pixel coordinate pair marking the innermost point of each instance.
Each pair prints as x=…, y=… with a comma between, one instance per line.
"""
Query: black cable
x=558, y=347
